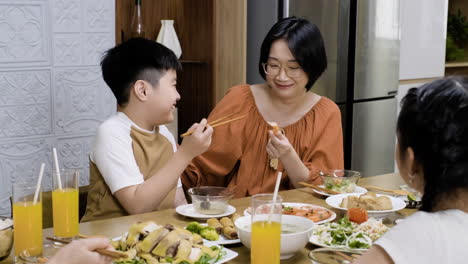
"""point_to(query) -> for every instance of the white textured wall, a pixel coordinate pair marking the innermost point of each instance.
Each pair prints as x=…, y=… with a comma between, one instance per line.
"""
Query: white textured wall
x=51, y=90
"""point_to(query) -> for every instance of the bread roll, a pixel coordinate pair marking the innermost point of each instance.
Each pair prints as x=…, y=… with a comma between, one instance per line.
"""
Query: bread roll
x=384, y=203
x=369, y=201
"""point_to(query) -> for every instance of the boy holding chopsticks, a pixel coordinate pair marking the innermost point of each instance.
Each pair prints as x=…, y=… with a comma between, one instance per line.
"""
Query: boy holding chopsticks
x=134, y=163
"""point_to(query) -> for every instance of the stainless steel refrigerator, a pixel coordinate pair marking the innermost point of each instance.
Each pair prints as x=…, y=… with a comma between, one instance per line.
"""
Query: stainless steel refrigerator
x=362, y=45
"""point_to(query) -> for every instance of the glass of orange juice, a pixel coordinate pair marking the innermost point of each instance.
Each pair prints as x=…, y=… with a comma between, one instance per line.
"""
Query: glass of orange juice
x=266, y=229
x=27, y=221
x=65, y=203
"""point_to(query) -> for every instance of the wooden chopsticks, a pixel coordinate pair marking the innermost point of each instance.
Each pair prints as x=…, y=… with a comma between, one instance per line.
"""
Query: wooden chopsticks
x=216, y=123
x=395, y=192
x=347, y=257
x=102, y=251
x=318, y=188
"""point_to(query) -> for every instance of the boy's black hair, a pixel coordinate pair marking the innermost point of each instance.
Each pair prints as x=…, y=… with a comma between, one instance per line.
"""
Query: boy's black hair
x=133, y=60
x=434, y=122
x=305, y=42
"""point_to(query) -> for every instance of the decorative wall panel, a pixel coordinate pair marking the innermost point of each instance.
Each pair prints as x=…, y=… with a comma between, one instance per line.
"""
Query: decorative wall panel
x=81, y=102
x=99, y=16
x=24, y=34
x=67, y=16
x=95, y=45
x=74, y=154
x=25, y=108
x=51, y=89
x=67, y=49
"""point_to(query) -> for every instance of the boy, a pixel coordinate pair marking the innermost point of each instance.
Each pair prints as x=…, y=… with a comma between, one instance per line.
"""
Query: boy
x=134, y=163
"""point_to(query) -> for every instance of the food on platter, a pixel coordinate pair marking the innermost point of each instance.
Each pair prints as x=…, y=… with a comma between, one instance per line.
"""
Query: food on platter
x=229, y=231
x=347, y=234
x=315, y=214
x=149, y=242
x=206, y=232
x=369, y=201
x=214, y=223
x=357, y=215
x=215, y=228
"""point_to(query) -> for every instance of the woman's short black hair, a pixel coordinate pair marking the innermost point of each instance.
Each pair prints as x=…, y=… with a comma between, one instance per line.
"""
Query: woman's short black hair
x=305, y=42
x=133, y=60
x=434, y=122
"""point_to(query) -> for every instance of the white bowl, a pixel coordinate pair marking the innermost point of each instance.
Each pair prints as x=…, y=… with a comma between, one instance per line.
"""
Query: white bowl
x=290, y=243
x=6, y=237
x=335, y=201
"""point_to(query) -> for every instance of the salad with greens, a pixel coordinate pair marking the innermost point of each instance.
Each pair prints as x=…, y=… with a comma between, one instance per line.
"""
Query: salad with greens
x=341, y=185
x=347, y=234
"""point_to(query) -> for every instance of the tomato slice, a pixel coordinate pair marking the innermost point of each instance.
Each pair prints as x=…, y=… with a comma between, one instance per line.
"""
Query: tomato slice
x=357, y=215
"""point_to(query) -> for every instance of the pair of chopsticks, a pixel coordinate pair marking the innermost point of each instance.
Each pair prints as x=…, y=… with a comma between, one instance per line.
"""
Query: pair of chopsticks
x=216, y=123
x=313, y=186
x=351, y=258
x=102, y=251
x=394, y=192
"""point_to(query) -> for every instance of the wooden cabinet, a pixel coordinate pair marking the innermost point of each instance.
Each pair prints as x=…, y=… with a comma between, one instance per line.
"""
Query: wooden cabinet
x=212, y=34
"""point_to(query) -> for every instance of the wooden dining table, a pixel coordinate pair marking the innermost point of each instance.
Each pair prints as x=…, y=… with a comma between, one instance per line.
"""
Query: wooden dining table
x=115, y=227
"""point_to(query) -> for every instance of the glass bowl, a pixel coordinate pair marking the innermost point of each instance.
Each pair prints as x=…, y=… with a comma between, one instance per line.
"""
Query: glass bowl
x=6, y=237
x=342, y=181
x=210, y=200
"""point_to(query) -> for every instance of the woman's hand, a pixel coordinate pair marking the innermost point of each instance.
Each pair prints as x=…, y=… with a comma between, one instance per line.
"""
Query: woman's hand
x=278, y=145
x=82, y=251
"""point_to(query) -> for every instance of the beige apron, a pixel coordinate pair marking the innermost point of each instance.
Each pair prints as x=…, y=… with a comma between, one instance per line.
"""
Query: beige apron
x=151, y=151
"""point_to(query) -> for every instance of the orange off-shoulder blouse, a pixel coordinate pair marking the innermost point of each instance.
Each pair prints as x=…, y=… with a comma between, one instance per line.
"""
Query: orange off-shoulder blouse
x=237, y=157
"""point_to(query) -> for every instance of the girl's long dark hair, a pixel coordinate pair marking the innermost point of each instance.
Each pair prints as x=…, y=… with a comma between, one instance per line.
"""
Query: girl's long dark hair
x=434, y=122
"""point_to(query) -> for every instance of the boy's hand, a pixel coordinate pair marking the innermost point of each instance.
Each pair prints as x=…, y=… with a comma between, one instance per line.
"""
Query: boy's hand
x=199, y=141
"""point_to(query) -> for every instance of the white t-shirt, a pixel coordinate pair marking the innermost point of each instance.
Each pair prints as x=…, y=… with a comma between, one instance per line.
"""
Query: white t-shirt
x=440, y=237
x=112, y=152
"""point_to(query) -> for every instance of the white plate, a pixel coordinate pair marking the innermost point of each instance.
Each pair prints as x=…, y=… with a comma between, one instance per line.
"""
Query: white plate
x=358, y=189
x=189, y=211
x=411, y=204
x=335, y=201
x=222, y=239
x=314, y=240
x=311, y=206
x=230, y=254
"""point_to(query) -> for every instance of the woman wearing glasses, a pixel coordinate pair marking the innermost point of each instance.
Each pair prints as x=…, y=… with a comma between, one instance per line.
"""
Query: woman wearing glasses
x=246, y=154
